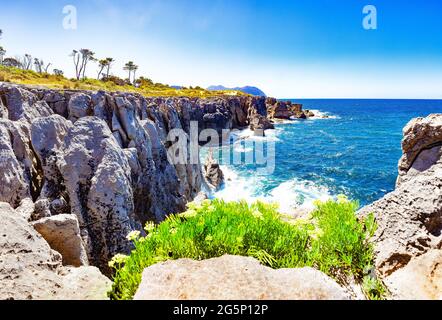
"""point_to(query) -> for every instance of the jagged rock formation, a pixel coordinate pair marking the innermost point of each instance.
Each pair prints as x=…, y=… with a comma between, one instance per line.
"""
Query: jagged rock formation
x=30, y=269
x=234, y=278
x=285, y=110
x=408, y=242
x=213, y=173
x=103, y=158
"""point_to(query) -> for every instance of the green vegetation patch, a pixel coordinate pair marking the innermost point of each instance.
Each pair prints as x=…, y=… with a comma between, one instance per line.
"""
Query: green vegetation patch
x=334, y=241
x=145, y=87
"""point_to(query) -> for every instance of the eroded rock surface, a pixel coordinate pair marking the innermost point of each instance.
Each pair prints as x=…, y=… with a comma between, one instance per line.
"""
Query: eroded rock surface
x=234, y=278
x=105, y=158
x=408, y=241
x=30, y=269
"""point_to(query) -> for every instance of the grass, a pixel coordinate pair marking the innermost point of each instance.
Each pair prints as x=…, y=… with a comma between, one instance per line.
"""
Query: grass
x=147, y=89
x=333, y=241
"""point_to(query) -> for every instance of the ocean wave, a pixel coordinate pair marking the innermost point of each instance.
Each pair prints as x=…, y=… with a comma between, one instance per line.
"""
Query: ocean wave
x=290, y=195
x=323, y=115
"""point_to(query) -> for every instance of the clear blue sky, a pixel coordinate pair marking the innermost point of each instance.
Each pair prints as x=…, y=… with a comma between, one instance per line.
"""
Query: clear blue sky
x=291, y=48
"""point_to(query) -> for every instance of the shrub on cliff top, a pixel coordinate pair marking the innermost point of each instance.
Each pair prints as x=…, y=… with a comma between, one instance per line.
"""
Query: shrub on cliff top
x=334, y=241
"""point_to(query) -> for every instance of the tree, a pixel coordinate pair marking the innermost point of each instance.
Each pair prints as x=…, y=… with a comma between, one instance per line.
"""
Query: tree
x=40, y=66
x=2, y=54
x=11, y=62
x=26, y=62
x=102, y=64
x=130, y=66
x=110, y=61
x=81, y=59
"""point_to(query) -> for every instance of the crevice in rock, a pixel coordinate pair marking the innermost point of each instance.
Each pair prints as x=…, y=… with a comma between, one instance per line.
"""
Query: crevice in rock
x=37, y=175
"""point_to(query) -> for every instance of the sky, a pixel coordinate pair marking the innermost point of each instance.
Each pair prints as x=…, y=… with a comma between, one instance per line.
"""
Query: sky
x=287, y=48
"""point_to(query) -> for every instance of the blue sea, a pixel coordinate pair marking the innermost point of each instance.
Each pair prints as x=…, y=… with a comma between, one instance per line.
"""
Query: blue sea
x=354, y=152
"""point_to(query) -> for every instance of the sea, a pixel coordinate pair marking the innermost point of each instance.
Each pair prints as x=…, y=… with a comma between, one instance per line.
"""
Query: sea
x=354, y=151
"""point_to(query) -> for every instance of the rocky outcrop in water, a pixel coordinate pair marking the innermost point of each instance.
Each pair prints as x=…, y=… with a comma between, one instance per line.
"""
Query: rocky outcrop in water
x=408, y=242
x=213, y=173
x=285, y=110
x=234, y=278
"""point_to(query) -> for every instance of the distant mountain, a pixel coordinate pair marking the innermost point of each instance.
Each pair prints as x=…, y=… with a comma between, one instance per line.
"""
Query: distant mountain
x=249, y=90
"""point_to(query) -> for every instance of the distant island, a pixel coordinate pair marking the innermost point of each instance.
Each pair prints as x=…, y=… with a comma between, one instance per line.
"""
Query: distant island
x=254, y=91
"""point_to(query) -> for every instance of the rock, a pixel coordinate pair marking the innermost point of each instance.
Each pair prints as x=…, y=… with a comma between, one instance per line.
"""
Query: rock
x=26, y=208
x=23, y=104
x=234, y=278
x=62, y=232
x=84, y=283
x=104, y=158
x=47, y=137
x=30, y=269
x=16, y=162
x=421, y=279
x=420, y=135
x=410, y=218
x=79, y=106
x=309, y=114
x=279, y=111
x=261, y=123
x=213, y=173
x=97, y=176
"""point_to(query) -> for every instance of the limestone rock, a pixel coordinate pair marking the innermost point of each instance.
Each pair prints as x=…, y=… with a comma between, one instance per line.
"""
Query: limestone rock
x=83, y=283
x=409, y=234
x=24, y=105
x=234, y=278
x=16, y=162
x=30, y=269
x=420, y=134
x=421, y=279
x=79, y=106
x=62, y=232
x=213, y=173
x=97, y=176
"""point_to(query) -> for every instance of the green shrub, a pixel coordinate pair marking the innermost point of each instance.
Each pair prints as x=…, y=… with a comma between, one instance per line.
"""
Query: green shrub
x=334, y=241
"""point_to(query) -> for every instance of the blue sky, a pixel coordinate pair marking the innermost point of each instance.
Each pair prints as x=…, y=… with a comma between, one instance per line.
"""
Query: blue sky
x=302, y=49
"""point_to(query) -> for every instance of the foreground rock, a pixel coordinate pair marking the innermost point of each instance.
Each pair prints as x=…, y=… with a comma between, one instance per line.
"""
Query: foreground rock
x=408, y=242
x=62, y=232
x=234, y=278
x=30, y=269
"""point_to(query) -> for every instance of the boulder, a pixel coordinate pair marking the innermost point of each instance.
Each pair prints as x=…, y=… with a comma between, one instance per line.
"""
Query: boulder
x=420, y=135
x=419, y=279
x=79, y=106
x=30, y=269
x=62, y=232
x=260, y=122
x=410, y=218
x=234, y=278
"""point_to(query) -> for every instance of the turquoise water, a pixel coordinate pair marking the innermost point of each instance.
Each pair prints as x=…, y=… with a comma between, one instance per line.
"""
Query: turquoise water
x=355, y=152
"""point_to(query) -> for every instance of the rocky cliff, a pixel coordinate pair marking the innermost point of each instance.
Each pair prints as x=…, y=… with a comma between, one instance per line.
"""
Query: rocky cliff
x=408, y=242
x=102, y=158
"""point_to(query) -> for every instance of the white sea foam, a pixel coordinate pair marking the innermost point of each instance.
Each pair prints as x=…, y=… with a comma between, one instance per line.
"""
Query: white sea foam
x=323, y=115
x=289, y=195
